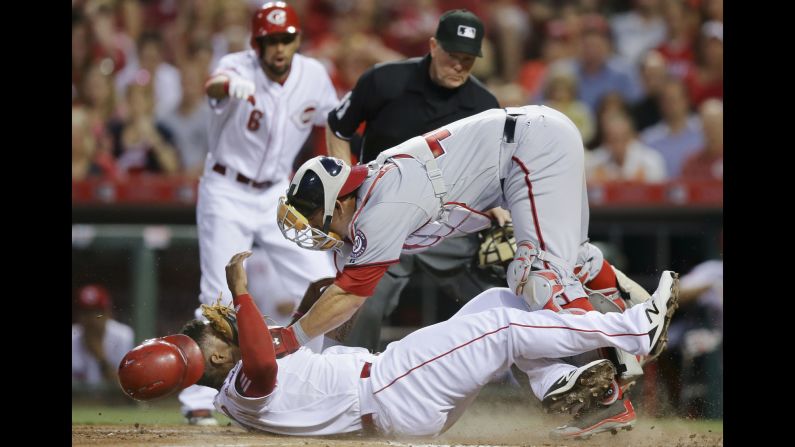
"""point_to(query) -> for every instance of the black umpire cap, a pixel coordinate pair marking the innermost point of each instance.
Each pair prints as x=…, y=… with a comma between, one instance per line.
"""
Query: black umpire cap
x=460, y=31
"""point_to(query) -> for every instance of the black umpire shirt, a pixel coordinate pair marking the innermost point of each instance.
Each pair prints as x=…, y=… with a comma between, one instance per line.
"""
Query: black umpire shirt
x=398, y=101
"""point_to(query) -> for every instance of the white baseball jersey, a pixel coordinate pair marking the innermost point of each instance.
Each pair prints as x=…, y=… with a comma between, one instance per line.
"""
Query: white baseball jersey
x=117, y=342
x=539, y=177
x=261, y=137
x=420, y=385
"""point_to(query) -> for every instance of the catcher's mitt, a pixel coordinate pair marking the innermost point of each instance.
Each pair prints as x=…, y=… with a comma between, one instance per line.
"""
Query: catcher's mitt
x=497, y=249
x=222, y=318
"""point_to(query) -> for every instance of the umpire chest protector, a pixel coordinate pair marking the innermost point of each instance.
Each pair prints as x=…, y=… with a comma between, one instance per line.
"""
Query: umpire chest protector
x=398, y=101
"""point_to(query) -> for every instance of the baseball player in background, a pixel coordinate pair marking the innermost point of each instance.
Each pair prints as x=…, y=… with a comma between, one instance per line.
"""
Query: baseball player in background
x=264, y=103
x=419, y=386
x=527, y=159
x=98, y=341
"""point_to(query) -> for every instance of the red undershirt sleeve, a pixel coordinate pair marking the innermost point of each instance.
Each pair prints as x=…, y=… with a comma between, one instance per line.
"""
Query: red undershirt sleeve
x=361, y=280
x=258, y=376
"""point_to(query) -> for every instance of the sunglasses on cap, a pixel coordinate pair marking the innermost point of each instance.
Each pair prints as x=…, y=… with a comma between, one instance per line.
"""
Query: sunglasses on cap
x=282, y=38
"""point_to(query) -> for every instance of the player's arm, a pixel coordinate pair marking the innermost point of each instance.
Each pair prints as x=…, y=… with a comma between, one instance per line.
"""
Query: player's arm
x=258, y=377
x=223, y=85
x=340, y=301
x=357, y=106
x=334, y=307
x=312, y=294
x=337, y=147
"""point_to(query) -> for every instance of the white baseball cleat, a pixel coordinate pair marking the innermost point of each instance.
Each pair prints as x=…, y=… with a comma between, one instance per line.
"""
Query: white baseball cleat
x=579, y=387
x=659, y=310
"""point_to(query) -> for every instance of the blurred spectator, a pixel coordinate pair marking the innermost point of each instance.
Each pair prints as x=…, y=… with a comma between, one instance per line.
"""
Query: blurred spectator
x=152, y=67
x=200, y=53
x=561, y=94
x=231, y=31
x=99, y=100
x=705, y=80
x=646, y=111
x=510, y=28
x=142, y=144
x=713, y=10
x=556, y=46
x=350, y=56
x=610, y=103
x=598, y=71
x=679, y=134
x=677, y=50
x=708, y=163
x=81, y=50
x=87, y=159
x=188, y=124
x=622, y=156
x=638, y=30
x=112, y=48
x=131, y=17
x=194, y=27
x=411, y=24
x=98, y=342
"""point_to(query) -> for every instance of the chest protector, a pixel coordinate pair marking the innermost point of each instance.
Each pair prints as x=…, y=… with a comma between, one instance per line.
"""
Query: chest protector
x=453, y=219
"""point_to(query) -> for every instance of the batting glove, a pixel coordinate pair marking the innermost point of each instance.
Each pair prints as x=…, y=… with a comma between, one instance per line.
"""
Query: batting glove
x=239, y=88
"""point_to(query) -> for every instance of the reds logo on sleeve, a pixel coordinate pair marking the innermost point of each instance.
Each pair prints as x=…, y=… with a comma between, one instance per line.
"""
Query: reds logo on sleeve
x=359, y=246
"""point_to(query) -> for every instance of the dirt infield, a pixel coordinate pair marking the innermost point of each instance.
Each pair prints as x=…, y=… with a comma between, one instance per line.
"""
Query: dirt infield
x=484, y=424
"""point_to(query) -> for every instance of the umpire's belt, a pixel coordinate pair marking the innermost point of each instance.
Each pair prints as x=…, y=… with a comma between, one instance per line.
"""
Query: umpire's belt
x=221, y=169
x=367, y=405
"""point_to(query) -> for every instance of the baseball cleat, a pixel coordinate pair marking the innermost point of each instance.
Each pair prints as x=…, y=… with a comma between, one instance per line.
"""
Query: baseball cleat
x=579, y=387
x=659, y=310
x=620, y=415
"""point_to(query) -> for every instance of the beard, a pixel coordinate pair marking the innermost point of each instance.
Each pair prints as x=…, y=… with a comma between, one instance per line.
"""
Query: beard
x=275, y=70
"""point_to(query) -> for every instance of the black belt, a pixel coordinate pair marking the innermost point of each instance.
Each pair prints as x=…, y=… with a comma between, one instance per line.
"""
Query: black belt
x=368, y=425
x=221, y=169
x=510, y=128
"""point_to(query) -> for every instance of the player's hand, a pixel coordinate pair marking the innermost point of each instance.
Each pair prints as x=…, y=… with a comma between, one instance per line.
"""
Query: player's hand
x=236, y=277
x=240, y=88
x=500, y=215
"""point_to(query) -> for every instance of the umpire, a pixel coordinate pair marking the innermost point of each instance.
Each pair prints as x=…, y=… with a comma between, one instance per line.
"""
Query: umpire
x=400, y=100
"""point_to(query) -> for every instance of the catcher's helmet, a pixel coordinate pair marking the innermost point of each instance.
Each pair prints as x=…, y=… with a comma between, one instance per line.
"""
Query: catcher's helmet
x=317, y=185
x=160, y=366
x=497, y=249
x=273, y=18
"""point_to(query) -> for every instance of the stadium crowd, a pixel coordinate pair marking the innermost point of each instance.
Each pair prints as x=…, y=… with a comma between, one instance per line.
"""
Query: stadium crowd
x=642, y=79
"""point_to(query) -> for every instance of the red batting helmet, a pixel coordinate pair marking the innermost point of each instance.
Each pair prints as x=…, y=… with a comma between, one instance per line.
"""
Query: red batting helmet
x=160, y=366
x=273, y=18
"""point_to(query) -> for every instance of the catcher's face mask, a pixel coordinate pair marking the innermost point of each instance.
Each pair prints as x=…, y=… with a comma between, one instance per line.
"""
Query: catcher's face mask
x=316, y=186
